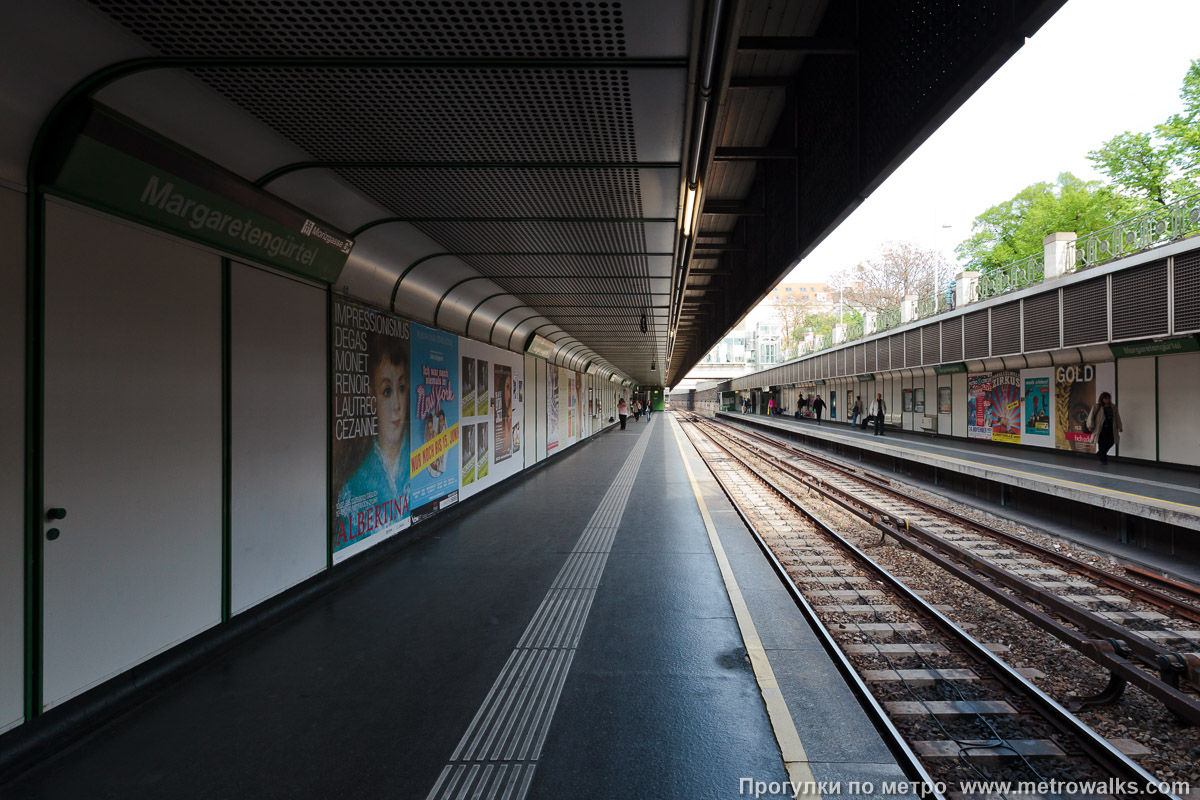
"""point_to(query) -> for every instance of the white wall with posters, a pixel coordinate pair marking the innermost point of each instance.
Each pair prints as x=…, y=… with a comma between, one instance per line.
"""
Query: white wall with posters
x=492, y=416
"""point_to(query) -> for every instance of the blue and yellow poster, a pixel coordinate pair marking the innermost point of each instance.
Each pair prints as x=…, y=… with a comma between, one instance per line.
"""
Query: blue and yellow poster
x=1037, y=407
x=434, y=421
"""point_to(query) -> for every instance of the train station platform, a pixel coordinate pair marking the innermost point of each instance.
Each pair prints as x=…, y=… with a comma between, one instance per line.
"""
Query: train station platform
x=1135, y=508
x=587, y=631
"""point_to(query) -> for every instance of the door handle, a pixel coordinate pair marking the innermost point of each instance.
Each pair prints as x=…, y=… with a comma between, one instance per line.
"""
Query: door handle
x=56, y=513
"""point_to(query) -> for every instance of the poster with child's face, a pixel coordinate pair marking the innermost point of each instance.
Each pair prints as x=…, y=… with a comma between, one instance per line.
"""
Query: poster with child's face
x=370, y=410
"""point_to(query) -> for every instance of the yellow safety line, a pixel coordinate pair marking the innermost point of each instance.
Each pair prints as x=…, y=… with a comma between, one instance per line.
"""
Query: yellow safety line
x=1046, y=478
x=795, y=760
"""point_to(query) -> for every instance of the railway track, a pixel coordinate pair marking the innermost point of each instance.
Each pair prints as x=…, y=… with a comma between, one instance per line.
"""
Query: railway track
x=1095, y=612
x=962, y=711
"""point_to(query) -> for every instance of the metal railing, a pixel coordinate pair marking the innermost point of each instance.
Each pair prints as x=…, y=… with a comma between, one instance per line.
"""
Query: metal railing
x=1143, y=232
x=1017, y=275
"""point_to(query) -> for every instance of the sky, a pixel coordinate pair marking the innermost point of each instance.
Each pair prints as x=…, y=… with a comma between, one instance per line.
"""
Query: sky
x=1095, y=69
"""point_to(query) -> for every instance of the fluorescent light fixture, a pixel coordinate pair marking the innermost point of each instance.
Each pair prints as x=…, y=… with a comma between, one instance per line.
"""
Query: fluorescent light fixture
x=689, y=207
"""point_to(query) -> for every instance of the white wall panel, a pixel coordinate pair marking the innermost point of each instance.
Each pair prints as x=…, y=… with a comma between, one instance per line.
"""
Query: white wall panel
x=12, y=456
x=1139, y=411
x=528, y=454
x=958, y=383
x=279, y=429
x=1178, y=388
x=539, y=405
x=132, y=444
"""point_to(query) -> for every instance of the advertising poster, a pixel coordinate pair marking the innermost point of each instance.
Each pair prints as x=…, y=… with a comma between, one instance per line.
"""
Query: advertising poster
x=481, y=454
x=468, y=454
x=468, y=386
x=944, y=404
x=502, y=412
x=481, y=390
x=1004, y=407
x=994, y=406
x=1074, y=396
x=978, y=386
x=1037, y=406
x=908, y=400
x=434, y=399
x=572, y=422
x=370, y=409
x=919, y=400
x=579, y=404
x=551, y=408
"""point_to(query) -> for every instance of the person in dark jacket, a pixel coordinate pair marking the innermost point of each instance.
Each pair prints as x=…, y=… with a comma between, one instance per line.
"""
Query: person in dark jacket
x=818, y=407
x=1104, y=421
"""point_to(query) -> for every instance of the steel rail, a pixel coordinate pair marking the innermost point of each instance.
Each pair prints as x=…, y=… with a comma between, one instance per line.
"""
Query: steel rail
x=1098, y=748
x=1108, y=641
x=1121, y=583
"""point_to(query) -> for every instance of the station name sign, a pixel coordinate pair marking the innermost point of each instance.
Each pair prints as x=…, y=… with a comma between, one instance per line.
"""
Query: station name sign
x=1161, y=347
x=950, y=369
x=117, y=166
x=540, y=346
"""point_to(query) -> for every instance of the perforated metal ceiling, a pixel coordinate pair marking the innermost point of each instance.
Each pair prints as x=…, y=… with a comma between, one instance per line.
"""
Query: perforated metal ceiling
x=516, y=162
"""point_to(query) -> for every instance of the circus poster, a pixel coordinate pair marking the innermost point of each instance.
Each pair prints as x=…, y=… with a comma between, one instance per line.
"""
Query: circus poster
x=994, y=406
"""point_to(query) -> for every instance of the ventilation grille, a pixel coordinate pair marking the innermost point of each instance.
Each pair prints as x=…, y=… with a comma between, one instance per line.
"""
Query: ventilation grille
x=870, y=357
x=478, y=192
x=1187, y=292
x=952, y=349
x=436, y=28
x=912, y=348
x=1086, y=321
x=976, y=335
x=1006, y=329
x=1042, y=322
x=931, y=339
x=1139, y=301
x=896, y=342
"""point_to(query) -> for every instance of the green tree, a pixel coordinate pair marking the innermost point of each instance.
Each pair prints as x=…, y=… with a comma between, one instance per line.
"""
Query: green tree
x=1157, y=169
x=1016, y=228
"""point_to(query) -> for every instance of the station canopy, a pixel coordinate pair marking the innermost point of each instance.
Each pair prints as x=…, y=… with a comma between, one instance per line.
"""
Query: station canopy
x=623, y=179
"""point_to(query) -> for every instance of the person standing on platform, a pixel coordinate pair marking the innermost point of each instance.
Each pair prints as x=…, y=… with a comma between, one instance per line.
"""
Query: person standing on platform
x=878, y=409
x=622, y=411
x=856, y=411
x=1104, y=421
x=771, y=407
x=745, y=405
x=649, y=408
x=818, y=408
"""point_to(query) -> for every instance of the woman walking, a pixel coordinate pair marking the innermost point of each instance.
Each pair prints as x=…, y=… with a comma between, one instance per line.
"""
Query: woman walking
x=622, y=411
x=1104, y=421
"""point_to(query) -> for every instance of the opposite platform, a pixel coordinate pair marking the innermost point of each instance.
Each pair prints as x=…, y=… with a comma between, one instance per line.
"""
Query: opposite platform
x=571, y=638
x=1153, y=492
